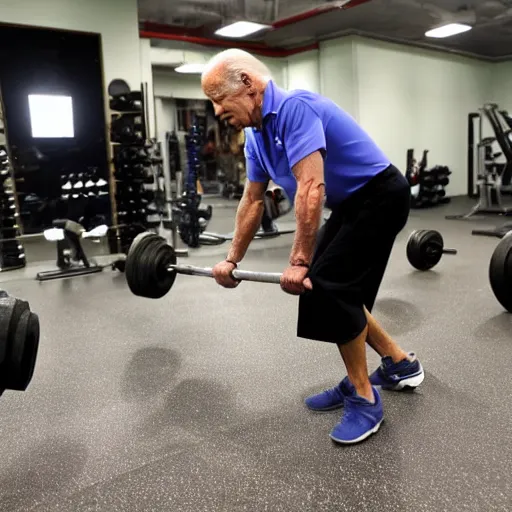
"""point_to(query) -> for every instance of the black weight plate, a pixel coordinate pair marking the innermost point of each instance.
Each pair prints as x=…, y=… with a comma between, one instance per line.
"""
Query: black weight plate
x=117, y=87
x=23, y=353
x=431, y=243
x=425, y=249
x=500, y=272
x=413, y=252
x=146, y=266
x=11, y=310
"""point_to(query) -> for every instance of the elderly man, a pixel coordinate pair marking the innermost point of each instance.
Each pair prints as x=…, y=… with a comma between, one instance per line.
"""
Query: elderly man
x=315, y=151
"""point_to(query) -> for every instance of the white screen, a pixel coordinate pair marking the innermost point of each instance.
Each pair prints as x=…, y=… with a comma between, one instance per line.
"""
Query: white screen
x=51, y=116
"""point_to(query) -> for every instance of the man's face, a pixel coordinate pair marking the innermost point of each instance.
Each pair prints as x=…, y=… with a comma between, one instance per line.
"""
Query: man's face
x=236, y=108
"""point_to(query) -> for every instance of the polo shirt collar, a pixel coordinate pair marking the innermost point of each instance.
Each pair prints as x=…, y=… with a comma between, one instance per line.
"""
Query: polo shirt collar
x=272, y=99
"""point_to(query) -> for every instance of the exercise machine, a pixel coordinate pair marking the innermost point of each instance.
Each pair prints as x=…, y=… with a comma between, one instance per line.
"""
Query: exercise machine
x=71, y=258
x=277, y=204
x=485, y=172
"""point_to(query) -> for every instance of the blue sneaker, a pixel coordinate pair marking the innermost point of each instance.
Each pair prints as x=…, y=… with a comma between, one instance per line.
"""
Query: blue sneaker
x=331, y=399
x=360, y=419
x=407, y=374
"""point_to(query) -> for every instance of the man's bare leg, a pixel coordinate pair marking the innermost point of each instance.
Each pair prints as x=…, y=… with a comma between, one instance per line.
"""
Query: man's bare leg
x=382, y=342
x=354, y=357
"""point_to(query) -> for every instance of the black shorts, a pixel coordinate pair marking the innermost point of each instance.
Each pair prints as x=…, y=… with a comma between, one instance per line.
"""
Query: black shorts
x=350, y=259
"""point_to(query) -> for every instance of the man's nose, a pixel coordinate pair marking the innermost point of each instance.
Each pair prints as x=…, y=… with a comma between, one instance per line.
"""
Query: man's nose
x=218, y=110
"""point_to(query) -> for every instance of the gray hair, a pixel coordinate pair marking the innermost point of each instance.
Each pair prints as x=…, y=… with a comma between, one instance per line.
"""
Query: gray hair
x=235, y=63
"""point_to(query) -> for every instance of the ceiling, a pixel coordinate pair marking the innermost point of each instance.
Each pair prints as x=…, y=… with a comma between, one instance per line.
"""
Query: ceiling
x=299, y=23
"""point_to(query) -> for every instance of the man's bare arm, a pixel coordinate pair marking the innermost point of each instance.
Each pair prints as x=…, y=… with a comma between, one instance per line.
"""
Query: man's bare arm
x=248, y=219
x=309, y=200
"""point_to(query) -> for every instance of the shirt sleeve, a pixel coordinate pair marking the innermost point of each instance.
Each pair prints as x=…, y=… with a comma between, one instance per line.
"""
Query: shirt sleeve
x=253, y=168
x=301, y=129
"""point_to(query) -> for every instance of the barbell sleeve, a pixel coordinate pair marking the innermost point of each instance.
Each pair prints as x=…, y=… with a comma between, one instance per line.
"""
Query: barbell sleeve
x=449, y=251
x=240, y=275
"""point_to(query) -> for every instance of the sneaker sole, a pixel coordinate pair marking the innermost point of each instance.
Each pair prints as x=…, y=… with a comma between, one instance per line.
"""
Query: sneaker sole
x=374, y=430
x=407, y=384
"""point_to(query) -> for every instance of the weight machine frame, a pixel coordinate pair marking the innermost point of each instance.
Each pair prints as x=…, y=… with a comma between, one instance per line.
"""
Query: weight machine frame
x=487, y=204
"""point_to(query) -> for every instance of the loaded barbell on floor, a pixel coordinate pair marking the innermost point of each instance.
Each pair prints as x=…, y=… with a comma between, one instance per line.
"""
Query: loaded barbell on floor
x=19, y=343
x=425, y=249
x=151, y=268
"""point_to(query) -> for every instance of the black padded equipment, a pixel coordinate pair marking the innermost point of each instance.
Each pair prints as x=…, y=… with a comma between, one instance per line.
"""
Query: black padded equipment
x=19, y=343
x=117, y=87
x=425, y=249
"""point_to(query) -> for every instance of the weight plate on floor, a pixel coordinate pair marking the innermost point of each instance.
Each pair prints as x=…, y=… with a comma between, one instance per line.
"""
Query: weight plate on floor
x=425, y=249
x=500, y=272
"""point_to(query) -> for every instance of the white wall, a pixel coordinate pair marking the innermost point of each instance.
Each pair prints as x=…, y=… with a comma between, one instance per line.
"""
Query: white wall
x=169, y=84
x=338, y=73
x=502, y=84
x=115, y=20
x=411, y=98
x=302, y=72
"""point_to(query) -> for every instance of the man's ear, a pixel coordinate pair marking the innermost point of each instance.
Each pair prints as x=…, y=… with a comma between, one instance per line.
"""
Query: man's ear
x=246, y=80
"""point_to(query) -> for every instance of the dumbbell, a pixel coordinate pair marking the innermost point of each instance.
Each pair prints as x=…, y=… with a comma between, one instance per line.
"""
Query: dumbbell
x=425, y=249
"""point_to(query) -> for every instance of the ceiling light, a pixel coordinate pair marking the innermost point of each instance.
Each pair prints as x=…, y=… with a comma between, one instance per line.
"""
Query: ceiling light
x=190, y=68
x=449, y=30
x=240, y=29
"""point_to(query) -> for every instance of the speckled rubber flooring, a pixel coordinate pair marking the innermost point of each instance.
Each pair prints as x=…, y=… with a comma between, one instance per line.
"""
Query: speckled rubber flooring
x=195, y=402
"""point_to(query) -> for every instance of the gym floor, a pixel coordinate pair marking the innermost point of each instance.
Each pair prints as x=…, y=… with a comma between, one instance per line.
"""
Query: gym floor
x=194, y=402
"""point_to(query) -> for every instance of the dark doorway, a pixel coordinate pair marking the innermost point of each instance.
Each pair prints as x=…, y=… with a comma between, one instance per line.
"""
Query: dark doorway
x=40, y=63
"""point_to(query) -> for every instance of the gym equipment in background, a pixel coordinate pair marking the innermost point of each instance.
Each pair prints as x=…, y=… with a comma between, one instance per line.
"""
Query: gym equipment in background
x=134, y=156
x=425, y=249
x=71, y=258
x=490, y=176
x=427, y=185
x=19, y=343
x=151, y=268
x=12, y=254
x=191, y=219
x=277, y=203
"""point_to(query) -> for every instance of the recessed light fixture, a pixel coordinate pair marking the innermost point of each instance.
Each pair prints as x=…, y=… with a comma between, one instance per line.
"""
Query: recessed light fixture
x=190, y=68
x=240, y=29
x=449, y=30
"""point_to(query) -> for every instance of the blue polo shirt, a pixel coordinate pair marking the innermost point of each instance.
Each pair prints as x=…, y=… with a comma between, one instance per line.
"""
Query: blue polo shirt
x=298, y=123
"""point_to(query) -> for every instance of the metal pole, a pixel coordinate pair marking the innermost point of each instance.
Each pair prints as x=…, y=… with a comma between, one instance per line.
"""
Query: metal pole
x=240, y=275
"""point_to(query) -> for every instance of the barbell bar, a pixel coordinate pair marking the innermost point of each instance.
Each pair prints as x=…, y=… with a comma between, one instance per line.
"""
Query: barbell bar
x=239, y=275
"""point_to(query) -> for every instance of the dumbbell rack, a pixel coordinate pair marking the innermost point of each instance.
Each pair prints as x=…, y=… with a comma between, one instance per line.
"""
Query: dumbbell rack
x=133, y=179
x=427, y=185
x=12, y=254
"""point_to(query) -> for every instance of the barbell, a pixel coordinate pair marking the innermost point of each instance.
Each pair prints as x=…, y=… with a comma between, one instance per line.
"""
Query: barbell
x=151, y=268
x=425, y=249
x=151, y=265
x=19, y=343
